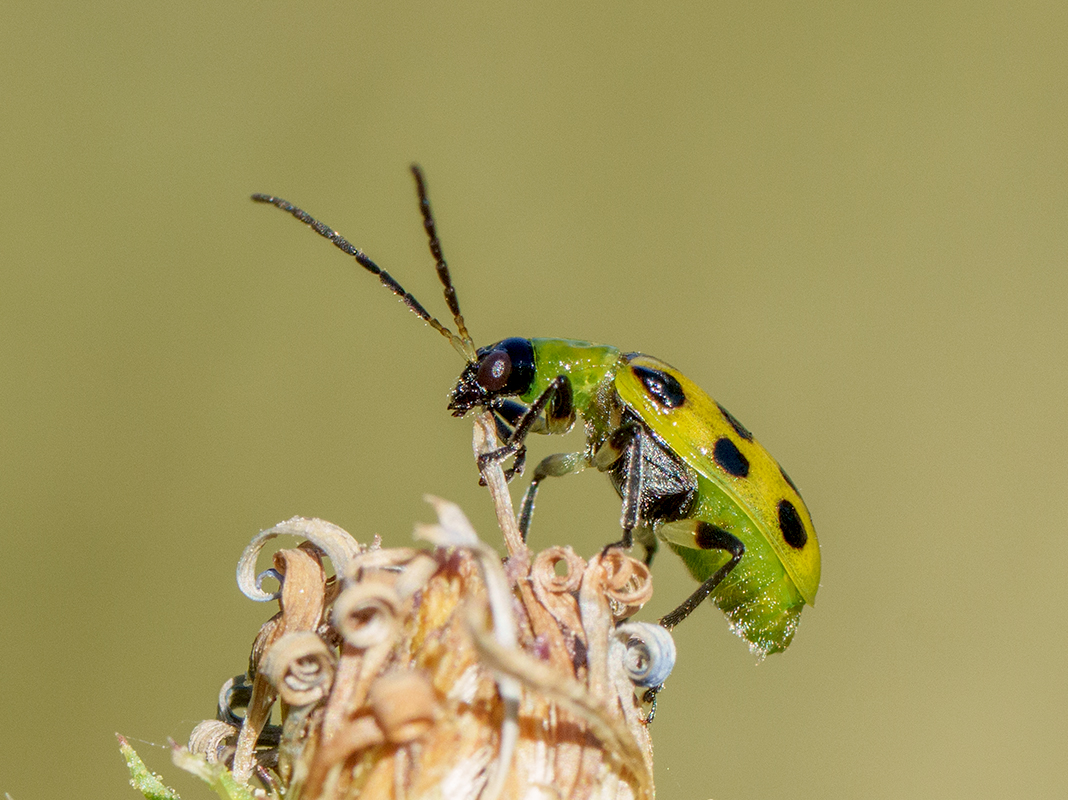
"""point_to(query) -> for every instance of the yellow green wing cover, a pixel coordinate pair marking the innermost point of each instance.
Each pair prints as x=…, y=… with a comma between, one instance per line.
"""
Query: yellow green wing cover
x=717, y=446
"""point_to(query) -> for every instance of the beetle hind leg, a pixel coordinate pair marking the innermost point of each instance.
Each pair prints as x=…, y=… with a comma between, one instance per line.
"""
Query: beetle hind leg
x=707, y=537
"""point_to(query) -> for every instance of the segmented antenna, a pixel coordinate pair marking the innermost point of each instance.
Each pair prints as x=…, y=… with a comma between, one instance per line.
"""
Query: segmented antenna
x=463, y=344
x=443, y=268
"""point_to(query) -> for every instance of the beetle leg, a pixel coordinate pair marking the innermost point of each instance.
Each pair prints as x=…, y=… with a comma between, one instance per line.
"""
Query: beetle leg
x=557, y=415
x=625, y=442
x=504, y=430
x=632, y=489
x=507, y=414
x=711, y=537
x=554, y=466
x=560, y=411
x=614, y=447
x=645, y=537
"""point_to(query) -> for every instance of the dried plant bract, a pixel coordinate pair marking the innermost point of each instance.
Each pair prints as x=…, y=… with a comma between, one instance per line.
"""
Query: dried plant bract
x=438, y=673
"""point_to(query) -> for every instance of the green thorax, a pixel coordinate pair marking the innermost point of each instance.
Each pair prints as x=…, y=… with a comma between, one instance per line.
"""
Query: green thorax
x=590, y=367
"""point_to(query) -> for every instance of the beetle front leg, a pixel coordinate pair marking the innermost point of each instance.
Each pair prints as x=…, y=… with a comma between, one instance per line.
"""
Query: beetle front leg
x=558, y=419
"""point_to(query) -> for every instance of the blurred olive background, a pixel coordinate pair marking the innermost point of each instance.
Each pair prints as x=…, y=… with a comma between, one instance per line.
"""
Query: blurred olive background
x=849, y=224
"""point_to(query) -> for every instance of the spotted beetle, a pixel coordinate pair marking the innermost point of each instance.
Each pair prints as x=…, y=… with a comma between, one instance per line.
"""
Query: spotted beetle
x=687, y=471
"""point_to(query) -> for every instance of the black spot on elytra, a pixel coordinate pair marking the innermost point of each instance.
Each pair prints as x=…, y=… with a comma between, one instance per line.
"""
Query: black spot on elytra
x=793, y=530
x=787, y=479
x=663, y=388
x=739, y=428
x=727, y=455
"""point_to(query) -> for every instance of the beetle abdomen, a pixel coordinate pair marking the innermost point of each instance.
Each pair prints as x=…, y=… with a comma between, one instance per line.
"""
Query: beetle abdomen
x=761, y=602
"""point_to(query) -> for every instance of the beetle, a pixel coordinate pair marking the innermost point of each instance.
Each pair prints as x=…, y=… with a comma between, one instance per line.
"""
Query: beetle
x=686, y=470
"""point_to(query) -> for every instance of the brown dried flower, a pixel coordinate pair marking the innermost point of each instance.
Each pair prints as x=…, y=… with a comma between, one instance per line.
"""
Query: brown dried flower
x=442, y=673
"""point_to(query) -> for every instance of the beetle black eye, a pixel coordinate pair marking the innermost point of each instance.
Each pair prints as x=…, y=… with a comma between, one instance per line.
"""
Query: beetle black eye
x=494, y=370
x=506, y=368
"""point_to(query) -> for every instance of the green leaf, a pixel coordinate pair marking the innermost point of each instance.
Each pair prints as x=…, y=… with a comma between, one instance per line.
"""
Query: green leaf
x=147, y=783
x=216, y=776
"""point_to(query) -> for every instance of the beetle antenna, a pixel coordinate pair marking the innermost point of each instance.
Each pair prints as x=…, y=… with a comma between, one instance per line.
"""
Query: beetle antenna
x=343, y=244
x=451, y=300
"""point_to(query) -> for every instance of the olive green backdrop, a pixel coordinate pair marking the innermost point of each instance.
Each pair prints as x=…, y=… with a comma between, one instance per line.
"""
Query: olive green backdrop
x=849, y=226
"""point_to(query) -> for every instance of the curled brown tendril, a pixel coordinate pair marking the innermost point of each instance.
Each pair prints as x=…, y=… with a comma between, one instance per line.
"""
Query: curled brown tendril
x=300, y=667
x=365, y=614
x=628, y=583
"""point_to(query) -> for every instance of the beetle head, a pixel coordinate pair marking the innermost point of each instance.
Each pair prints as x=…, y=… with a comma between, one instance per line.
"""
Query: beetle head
x=505, y=369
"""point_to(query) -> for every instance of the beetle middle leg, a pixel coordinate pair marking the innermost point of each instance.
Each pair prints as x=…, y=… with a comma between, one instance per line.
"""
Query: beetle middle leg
x=655, y=485
x=554, y=466
x=621, y=455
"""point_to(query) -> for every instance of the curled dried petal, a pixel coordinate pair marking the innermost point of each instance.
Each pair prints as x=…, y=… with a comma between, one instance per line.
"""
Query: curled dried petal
x=650, y=653
x=213, y=739
x=265, y=637
x=301, y=667
x=628, y=583
x=407, y=568
x=404, y=704
x=557, y=592
x=303, y=587
x=270, y=575
x=453, y=528
x=377, y=559
x=366, y=614
x=416, y=574
x=544, y=569
x=338, y=545
x=234, y=698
